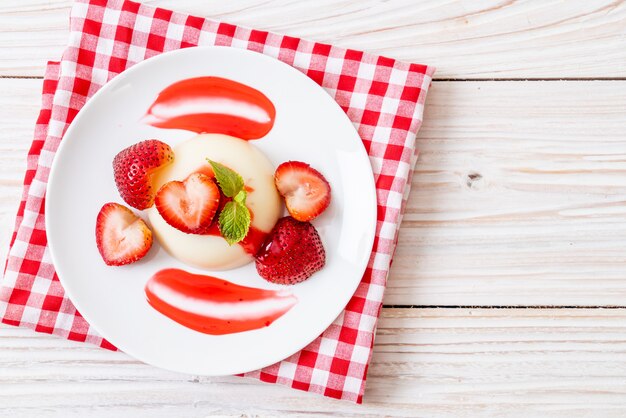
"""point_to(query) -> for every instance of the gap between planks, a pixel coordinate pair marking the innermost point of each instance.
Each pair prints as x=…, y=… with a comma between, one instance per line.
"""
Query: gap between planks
x=29, y=77
x=537, y=307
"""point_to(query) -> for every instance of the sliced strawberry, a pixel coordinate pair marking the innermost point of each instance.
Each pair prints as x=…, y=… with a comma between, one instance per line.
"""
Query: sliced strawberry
x=133, y=168
x=122, y=237
x=292, y=252
x=189, y=205
x=306, y=191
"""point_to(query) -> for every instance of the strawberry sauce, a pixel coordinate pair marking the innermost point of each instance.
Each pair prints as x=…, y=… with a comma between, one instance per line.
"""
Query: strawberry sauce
x=251, y=243
x=213, y=105
x=215, y=306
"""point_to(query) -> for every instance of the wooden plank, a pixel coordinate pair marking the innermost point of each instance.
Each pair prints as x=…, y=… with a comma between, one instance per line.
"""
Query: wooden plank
x=427, y=362
x=468, y=39
x=519, y=197
x=20, y=101
x=541, y=223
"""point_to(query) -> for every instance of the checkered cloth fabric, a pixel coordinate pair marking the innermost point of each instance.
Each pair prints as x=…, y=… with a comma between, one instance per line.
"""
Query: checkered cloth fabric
x=384, y=98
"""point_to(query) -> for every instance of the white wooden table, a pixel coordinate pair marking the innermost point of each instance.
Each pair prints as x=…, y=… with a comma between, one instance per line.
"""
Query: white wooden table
x=507, y=295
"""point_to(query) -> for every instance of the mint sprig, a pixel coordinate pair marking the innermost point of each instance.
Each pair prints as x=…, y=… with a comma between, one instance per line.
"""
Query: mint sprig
x=241, y=197
x=234, y=219
x=234, y=222
x=229, y=181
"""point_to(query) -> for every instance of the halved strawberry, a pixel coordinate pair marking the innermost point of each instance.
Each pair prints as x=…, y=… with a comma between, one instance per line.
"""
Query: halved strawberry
x=292, y=252
x=306, y=191
x=133, y=167
x=189, y=205
x=121, y=236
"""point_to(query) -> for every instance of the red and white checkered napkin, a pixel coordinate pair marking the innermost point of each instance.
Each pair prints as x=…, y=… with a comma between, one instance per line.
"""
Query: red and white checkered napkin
x=384, y=99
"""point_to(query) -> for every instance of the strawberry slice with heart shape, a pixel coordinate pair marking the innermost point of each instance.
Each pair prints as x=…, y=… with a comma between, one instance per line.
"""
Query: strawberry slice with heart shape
x=133, y=168
x=121, y=236
x=306, y=191
x=292, y=252
x=189, y=205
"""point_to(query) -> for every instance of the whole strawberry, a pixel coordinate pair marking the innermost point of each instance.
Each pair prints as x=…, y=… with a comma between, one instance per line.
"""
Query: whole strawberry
x=292, y=252
x=133, y=168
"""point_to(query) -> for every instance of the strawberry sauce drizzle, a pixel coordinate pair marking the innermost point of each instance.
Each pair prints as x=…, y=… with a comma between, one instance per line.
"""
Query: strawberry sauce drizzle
x=213, y=105
x=215, y=306
x=251, y=244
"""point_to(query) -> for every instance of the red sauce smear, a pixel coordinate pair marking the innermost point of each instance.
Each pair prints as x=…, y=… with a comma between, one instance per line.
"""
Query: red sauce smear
x=251, y=243
x=215, y=306
x=213, y=105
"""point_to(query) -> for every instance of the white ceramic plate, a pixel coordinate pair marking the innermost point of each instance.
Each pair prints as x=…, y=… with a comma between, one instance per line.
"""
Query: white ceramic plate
x=309, y=126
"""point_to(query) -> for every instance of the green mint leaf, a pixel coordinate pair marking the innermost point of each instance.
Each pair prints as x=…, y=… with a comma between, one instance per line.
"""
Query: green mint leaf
x=234, y=222
x=241, y=197
x=229, y=181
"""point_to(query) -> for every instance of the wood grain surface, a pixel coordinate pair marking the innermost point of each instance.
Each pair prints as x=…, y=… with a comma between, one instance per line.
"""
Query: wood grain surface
x=464, y=39
x=427, y=362
x=518, y=200
x=19, y=106
x=519, y=197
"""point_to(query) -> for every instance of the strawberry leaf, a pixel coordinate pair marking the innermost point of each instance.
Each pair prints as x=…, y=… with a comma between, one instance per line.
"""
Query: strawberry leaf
x=234, y=222
x=230, y=181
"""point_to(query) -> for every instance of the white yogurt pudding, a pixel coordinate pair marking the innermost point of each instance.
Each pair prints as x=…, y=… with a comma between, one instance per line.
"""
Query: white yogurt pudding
x=212, y=251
